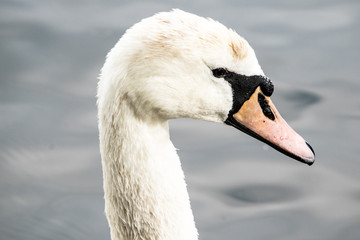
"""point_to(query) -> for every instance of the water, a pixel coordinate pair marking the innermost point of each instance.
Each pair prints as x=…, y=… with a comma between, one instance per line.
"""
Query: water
x=50, y=172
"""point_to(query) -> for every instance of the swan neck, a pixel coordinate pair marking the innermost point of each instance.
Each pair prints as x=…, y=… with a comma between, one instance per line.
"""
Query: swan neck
x=145, y=190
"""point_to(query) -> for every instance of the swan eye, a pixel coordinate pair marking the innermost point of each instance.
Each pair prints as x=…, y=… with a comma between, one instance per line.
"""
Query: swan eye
x=220, y=72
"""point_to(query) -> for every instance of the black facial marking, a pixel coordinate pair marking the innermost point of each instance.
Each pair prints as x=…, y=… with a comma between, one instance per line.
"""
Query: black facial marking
x=243, y=86
x=265, y=107
x=266, y=86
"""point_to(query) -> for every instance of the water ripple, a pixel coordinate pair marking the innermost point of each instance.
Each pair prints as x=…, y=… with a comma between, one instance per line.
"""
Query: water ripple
x=263, y=193
x=291, y=103
x=301, y=98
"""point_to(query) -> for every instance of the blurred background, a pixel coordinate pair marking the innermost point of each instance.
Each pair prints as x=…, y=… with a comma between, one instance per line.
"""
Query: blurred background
x=50, y=168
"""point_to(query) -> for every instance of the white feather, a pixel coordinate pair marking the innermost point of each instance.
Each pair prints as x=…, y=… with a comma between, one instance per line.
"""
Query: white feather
x=159, y=70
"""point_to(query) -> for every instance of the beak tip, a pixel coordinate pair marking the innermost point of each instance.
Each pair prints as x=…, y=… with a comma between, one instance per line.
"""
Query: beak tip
x=311, y=160
x=310, y=148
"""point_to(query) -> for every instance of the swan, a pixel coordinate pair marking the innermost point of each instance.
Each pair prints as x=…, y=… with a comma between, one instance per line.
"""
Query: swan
x=175, y=65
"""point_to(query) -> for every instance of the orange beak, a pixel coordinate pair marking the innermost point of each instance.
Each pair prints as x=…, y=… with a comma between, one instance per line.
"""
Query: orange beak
x=259, y=118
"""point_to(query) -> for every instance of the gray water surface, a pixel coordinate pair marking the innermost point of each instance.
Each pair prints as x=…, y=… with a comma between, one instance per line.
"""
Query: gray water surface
x=50, y=170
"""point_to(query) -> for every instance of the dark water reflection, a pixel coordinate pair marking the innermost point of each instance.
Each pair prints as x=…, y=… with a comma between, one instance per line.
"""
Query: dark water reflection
x=263, y=194
x=302, y=99
x=50, y=172
x=296, y=101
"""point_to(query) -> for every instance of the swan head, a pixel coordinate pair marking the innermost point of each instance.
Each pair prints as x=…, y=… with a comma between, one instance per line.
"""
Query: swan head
x=179, y=65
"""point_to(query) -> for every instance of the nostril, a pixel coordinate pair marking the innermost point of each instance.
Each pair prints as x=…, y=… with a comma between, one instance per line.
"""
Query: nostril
x=265, y=107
